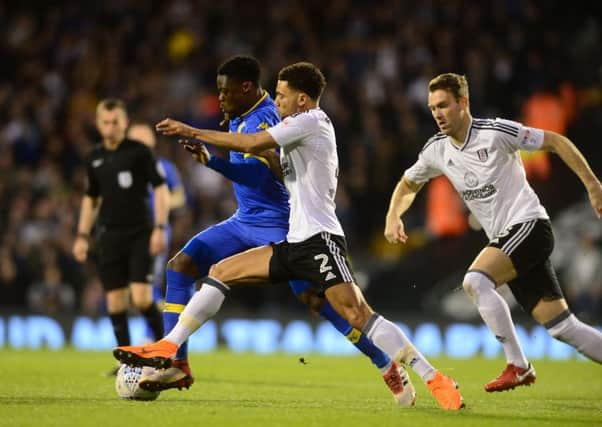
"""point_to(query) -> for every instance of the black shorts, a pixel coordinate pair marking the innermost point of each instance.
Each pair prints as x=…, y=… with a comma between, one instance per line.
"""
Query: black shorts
x=321, y=260
x=529, y=246
x=124, y=257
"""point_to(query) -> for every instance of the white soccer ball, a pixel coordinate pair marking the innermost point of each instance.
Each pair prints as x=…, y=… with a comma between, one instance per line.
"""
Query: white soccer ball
x=127, y=383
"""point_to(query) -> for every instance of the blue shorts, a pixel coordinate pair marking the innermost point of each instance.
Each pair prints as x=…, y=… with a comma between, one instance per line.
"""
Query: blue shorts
x=230, y=237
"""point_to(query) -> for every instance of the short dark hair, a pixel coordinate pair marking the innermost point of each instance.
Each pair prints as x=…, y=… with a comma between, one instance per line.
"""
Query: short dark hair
x=304, y=77
x=111, y=104
x=242, y=68
x=454, y=83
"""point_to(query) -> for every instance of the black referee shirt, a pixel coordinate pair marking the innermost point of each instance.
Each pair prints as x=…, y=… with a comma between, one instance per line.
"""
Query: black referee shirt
x=122, y=177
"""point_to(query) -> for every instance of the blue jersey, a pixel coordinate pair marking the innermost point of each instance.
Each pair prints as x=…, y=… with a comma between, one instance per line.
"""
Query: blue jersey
x=263, y=199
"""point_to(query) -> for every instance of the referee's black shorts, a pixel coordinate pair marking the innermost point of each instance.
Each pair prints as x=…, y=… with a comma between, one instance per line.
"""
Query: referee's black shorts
x=124, y=257
x=321, y=260
x=529, y=246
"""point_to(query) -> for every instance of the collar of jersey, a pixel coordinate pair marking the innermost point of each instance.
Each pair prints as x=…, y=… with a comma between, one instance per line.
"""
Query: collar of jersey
x=263, y=97
x=466, y=141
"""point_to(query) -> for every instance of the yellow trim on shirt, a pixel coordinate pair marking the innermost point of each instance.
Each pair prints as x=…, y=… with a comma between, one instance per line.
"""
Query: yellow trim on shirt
x=264, y=96
x=261, y=159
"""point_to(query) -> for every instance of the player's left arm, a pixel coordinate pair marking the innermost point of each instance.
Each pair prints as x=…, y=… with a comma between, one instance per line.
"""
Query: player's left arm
x=573, y=158
x=253, y=143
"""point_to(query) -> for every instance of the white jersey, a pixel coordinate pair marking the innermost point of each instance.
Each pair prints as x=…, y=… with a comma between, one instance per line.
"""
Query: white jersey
x=487, y=172
x=310, y=166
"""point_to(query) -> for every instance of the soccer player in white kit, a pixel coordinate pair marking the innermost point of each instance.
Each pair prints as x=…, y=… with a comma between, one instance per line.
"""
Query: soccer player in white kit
x=481, y=159
x=315, y=248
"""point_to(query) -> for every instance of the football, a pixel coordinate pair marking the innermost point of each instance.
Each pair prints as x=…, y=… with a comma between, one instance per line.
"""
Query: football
x=127, y=383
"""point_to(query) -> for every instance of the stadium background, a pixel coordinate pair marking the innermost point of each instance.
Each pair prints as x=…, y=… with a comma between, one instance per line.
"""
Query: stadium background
x=536, y=62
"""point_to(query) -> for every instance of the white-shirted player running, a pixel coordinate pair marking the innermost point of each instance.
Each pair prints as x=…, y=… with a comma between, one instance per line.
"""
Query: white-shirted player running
x=481, y=159
x=315, y=249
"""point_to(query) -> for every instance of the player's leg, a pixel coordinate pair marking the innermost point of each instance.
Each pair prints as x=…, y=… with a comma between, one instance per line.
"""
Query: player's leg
x=491, y=268
x=305, y=294
x=347, y=299
x=183, y=270
x=250, y=267
x=322, y=260
x=552, y=311
x=518, y=258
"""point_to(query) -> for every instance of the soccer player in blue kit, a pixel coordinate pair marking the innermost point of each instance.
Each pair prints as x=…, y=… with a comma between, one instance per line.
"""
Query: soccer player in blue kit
x=261, y=218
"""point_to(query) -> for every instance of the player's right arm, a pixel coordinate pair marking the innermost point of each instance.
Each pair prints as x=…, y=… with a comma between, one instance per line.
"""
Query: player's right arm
x=405, y=192
x=87, y=217
x=252, y=172
x=253, y=143
x=401, y=200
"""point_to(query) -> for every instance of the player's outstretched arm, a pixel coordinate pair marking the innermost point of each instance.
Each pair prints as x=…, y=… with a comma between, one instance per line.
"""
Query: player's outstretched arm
x=253, y=143
x=252, y=172
x=573, y=158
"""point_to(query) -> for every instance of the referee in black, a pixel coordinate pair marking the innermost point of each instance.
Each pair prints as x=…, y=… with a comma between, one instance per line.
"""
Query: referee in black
x=120, y=172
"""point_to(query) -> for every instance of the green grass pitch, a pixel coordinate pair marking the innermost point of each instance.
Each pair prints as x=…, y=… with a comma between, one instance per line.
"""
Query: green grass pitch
x=67, y=388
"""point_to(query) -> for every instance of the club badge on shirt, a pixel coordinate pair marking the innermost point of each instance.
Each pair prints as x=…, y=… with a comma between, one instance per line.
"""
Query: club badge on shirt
x=483, y=154
x=124, y=178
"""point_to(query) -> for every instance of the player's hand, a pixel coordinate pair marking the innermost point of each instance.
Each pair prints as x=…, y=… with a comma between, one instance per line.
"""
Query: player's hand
x=80, y=249
x=595, y=198
x=158, y=241
x=174, y=127
x=198, y=150
x=394, y=230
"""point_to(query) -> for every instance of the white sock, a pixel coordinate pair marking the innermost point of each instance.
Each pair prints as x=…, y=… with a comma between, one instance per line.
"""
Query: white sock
x=496, y=314
x=202, y=306
x=390, y=339
x=586, y=340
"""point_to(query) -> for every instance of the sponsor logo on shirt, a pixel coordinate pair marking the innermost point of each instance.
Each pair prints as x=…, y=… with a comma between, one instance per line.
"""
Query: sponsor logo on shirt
x=96, y=163
x=479, y=193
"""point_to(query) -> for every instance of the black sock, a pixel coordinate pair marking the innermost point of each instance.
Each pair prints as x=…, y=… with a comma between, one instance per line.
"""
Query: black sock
x=120, y=328
x=155, y=320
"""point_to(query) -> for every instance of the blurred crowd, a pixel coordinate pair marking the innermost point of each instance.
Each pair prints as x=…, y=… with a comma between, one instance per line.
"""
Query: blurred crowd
x=59, y=59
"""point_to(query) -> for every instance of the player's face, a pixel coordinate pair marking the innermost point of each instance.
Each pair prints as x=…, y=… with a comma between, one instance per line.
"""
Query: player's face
x=447, y=111
x=143, y=134
x=232, y=95
x=111, y=124
x=286, y=99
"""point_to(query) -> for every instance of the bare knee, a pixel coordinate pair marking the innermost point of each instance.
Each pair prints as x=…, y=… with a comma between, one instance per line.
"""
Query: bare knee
x=183, y=263
x=217, y=271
